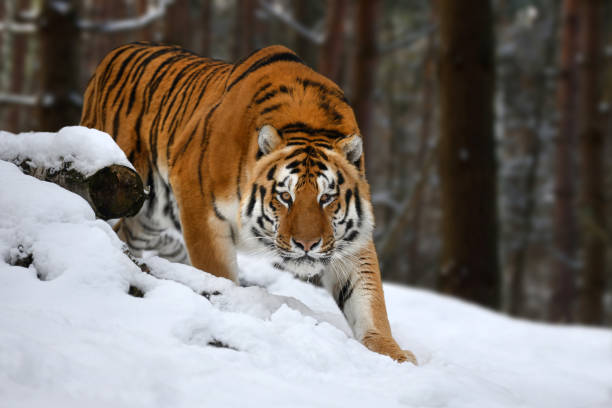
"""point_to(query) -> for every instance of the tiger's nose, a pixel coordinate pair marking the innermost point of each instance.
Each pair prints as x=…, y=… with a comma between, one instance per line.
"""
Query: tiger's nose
x=306, y=244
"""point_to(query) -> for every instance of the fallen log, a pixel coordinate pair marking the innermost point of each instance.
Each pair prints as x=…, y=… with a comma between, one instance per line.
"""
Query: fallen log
x=84, y=161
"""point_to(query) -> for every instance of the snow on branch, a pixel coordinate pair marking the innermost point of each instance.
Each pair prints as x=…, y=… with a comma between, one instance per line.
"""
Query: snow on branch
x=153, y=13
x=84, y=161
x=277, y=11
x=408, y=40
x=14, y=27
x=16, y=99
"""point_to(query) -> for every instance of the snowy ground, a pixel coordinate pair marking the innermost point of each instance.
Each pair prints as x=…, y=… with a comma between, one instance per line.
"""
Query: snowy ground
x=71, y=334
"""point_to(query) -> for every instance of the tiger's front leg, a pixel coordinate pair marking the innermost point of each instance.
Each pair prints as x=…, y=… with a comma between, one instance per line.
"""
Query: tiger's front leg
x=357, y=289
x=209, y=237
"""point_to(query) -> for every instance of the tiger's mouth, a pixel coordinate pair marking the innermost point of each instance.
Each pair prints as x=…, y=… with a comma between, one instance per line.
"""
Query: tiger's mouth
x=307, y=260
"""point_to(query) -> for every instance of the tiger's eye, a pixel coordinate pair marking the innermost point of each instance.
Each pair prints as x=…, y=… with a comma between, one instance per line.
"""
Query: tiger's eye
x=286, y=196
x=325, y=198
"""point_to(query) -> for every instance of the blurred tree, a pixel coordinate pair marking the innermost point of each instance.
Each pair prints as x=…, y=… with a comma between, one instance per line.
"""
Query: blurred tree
x=59, y=39
x=330, y=60
x=526, y=85
x=564, y=264
x=590, y=134
x=178, y=28
x=244, y=40
x=364, y=70
x=466, y=152
x=307, y=14
x=206, y=21
x=20, y=47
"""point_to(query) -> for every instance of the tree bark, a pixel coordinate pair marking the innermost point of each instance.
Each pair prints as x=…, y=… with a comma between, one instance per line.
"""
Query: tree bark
x=59, y=40
x=467, y=165
x=364, y=73
x=178, y=28
x=534, y=149
x=330, y=60
x=206, y=34
x=244, y=28
x=424, y=140
x=590, y=134
x=306, y=14
x=564, y=217
x=20, y=47
x=115, y=191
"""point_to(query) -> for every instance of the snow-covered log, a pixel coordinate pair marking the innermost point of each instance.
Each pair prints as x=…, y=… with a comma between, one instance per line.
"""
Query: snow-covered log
x=84, y=161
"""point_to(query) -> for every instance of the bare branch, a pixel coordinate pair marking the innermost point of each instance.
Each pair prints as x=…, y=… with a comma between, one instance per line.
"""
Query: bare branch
x=19, y=28
x=153, y=13
x=277, y=11
x=16, y=99
x=407, y=40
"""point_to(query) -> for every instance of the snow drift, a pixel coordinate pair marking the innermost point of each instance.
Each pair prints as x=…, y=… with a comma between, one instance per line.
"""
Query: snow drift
x=82, y=325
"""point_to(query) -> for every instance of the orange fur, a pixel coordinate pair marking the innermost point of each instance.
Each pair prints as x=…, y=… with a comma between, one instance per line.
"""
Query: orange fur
x=218, y=137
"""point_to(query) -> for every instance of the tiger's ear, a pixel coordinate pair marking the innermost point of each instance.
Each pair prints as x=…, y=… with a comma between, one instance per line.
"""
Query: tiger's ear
x=352, y=146
x=268, y=139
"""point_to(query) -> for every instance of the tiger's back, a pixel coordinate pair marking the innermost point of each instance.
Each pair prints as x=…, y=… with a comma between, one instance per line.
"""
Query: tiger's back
x=264, y=152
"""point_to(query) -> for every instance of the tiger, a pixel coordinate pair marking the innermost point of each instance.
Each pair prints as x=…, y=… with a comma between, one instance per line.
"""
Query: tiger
x=263, y=155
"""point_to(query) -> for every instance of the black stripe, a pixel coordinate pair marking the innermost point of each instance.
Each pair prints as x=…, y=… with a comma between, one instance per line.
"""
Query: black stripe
x=251, y=204
x=352, y=236
x=283, y=56
x=270, y=109
x=213, y=200
x=345, y=293
x=358, y=203
x=300, y=127
x=260, y=90
x=266, y=97
x=340, y=178
x=270, y=175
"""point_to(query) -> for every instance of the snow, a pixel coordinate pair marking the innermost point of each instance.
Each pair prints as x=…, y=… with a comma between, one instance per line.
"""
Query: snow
x=72, y=336
x=89, y=150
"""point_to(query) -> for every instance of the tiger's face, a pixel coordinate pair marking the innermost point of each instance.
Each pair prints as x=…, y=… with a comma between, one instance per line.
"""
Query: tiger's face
x=305, y=207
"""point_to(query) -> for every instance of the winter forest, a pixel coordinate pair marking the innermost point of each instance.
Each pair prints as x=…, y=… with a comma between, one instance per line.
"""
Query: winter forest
x=490, y=177
x=487, y=134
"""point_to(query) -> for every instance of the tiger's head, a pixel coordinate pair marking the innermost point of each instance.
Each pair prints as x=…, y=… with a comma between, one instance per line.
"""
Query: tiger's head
x=308, y=205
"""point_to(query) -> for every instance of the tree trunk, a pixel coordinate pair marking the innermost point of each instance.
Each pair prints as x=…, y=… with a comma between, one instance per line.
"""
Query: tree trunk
x=424, y=140
x=590, y=135
x=115, y=191
x=59, y=40
x=20, y=47
x=178, y=28
x=364, y=73
x=306, y=14
x=206, y=34
x=467, y=153
x=564, y=217
x=525, y=216
x=330, y=61
x=244, y=28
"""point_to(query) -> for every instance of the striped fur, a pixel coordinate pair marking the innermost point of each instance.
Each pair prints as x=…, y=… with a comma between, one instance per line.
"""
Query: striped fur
x=263, y=155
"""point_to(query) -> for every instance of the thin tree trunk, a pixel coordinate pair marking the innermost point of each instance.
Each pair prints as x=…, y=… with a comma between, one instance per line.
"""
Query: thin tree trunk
x=178, y=28
x=467, y=153
x=20, y=42
x=564, y=217
x=519, y=257
x=424, y=139
x=206, y=20
x=244, y=28
x=591, y=139
x=330, y=60
x=305, y=14
x=364, y=74
x=59, y=40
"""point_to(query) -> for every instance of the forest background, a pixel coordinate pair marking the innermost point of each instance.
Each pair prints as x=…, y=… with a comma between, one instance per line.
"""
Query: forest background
x=487, y=123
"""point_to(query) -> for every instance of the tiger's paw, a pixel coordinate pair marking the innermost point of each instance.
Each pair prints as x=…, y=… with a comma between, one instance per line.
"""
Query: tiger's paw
x=387, y=346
